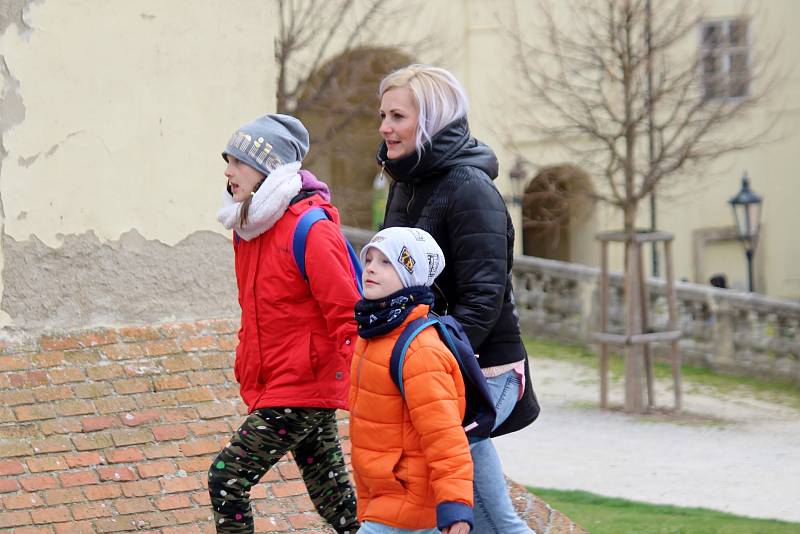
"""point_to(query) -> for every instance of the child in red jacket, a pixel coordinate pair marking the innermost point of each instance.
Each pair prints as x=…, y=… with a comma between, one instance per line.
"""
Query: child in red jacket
x=411, y=460
x=297, y=335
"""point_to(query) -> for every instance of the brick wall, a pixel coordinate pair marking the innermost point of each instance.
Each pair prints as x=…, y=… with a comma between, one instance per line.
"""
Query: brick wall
x=112, y=430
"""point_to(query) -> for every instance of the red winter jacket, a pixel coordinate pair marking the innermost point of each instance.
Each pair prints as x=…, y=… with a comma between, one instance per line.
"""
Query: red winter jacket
x=297, y=337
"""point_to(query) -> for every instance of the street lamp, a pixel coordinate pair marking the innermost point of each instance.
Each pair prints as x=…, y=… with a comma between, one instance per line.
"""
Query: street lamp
x=746, y=207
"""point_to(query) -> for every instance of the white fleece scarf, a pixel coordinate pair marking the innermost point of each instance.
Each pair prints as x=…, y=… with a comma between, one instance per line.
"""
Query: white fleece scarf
x=268, y=204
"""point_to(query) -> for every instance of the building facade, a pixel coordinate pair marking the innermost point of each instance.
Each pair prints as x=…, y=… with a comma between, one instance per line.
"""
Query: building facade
x=112, y=117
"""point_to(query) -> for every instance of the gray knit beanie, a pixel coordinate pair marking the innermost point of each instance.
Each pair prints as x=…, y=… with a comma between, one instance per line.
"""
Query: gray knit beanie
x=269, y=142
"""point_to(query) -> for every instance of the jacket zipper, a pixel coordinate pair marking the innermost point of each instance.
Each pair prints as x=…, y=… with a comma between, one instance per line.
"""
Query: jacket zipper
x=411, y=200
x=255, y=318
x=413, y=187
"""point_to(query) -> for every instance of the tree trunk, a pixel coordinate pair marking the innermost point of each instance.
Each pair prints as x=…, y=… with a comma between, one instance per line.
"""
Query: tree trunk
x=634, y=354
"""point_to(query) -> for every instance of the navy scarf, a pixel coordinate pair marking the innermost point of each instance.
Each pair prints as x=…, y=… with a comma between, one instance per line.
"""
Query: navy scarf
x=379, y=317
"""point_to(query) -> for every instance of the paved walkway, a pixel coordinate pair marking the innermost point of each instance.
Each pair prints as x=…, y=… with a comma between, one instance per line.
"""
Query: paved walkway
x=729, y=452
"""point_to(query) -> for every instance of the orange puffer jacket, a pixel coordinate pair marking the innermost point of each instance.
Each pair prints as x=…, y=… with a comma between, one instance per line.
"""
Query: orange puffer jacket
x=411, y=460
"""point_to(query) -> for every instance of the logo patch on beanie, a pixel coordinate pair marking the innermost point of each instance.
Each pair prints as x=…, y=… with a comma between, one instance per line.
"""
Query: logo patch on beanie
x=406, y=260
x=419, y=236
x=255, y=149
x=433, y=264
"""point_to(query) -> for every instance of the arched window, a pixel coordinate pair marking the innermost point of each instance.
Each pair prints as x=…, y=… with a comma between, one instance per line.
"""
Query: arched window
x=339, y=106
x=555, y=204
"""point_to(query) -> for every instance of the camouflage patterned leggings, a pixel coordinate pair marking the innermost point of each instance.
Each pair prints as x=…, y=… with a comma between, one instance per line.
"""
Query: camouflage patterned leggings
x=264, y=437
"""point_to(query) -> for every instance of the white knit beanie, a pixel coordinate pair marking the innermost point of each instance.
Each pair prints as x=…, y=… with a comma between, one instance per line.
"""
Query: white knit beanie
x=413, y=253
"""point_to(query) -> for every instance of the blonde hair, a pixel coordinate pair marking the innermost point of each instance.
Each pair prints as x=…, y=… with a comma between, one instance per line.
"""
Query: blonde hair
x=439, y=96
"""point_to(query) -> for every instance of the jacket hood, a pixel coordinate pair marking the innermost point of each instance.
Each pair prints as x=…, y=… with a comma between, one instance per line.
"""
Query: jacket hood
x=453, y=146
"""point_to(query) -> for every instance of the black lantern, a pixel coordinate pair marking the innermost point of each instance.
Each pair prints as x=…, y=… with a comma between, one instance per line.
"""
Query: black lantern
x=747, y=216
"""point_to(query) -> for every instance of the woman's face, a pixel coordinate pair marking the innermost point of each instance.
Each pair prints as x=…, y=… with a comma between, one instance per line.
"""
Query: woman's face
x=242, y=178
x=399, y=120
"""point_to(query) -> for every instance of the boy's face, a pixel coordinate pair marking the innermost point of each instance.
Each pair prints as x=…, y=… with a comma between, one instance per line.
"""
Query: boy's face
x=242, y=178
x=379, y=277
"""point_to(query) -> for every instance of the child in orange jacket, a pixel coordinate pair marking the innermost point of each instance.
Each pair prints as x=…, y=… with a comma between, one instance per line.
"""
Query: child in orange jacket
x=411, y=460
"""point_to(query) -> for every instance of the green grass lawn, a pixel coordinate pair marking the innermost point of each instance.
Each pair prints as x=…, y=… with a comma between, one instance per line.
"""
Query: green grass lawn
x=783, y=392
x=606, y=515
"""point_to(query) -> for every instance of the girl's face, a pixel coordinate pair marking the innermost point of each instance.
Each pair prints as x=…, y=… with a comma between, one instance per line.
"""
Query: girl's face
x=399, y=121
x=379, y=277
x=242, y=178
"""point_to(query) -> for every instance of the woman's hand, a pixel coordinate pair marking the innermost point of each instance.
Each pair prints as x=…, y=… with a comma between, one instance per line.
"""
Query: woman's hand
x=457, y=528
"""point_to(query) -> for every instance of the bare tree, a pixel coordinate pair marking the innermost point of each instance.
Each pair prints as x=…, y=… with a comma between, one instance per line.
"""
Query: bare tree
x=622, y=85
x=330, y=56
x=619, y=90
x=310, y=33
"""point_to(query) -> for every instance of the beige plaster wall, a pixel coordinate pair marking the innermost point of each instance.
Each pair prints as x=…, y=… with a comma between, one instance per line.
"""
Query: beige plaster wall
x=126, y=107
x=691, y=200
x=114, y=115
x=701, y=201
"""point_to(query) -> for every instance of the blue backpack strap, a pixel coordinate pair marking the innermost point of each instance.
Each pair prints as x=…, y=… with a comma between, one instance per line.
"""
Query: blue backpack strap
x=304, y=224
x=479, y=416
x=355, y=266
x=461, y=349
x=400, y=348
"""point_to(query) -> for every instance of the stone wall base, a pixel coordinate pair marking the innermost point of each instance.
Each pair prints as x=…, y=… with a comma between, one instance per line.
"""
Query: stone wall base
x=113, y=430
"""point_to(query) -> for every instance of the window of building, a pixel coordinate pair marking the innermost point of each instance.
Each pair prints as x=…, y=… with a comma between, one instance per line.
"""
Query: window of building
x=725, y=53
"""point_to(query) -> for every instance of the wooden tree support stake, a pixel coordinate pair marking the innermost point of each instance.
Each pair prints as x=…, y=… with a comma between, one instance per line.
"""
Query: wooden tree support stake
x=637, y=337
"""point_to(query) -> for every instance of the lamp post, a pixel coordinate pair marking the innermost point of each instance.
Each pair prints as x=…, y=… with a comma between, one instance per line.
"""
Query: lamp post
x=746, y=207
x=517, y=175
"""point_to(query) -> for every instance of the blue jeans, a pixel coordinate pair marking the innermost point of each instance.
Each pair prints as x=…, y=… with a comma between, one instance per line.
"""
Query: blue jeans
x=494, y=512
x=371, y=527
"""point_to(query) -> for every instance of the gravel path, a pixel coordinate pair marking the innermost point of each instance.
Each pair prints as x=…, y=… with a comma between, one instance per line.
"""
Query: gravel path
x=728, y=452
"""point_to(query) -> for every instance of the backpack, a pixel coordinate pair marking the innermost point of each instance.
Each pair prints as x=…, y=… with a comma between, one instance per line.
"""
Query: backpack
x=304, y=224
x=479, y=415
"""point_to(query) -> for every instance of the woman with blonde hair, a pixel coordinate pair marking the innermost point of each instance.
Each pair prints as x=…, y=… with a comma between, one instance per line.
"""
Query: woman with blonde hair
x=442, y=183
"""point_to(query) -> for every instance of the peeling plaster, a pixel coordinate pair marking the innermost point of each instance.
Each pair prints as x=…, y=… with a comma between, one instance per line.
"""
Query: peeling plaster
x=12, y=108
x=86, y=282
x=27, y=162
x=14, y=12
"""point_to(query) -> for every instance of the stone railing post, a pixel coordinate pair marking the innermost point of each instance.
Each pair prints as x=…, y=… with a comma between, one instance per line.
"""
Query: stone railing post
x=721, y=333
x=586, y=294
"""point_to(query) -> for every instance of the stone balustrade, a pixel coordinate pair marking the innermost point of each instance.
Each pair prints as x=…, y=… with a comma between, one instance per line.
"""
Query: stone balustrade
x=727, y=330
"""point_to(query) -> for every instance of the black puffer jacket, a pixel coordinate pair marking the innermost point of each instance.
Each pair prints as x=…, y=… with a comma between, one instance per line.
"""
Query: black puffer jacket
x=450, y=194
